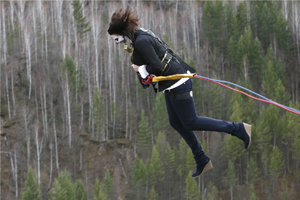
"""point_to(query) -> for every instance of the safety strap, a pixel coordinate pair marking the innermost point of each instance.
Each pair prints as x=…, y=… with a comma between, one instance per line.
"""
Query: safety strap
x=169, y=51
x=165, y=61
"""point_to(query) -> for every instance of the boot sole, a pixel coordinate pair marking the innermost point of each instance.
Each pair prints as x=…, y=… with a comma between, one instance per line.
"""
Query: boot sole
x=207, y=167
x=248, y=129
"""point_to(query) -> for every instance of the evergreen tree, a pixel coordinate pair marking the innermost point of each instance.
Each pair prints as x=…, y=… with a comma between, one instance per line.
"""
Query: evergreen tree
x=108, y=184
x=241, y=16
x=63, y=188
x=99, y=113
x=276, y=163
x=253, y=170
x=31, y=190
x=293, y=127
x=153, y=195
x=207, y=18
x=73, y=76
x=81, y=24
x=170, y=159
x=97, y=188
x=80, y=191
x=160, y=145
x=283, y=33
x=231, y=177
x=252, y=194
x=250, y=109
x=191, y=189
x=217, y=101
x=228, y=15
x=139, y=174
x=183, y=148
x=233, y=147
x=157, y=172
x=100, y=195
x=255, y=61
x=190, y=161
x=144, y=137
x=160, y=114
x=212, y=195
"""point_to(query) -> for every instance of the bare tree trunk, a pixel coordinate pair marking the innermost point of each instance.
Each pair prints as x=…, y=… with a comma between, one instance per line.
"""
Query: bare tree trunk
x=80, y=168
x=45, y=110
x=16, y=174
x=38, y=151
x=68, y=104
x=13, y=93
x=7, y=94
x=25, y=113
x=51, y=168
x=55, y=142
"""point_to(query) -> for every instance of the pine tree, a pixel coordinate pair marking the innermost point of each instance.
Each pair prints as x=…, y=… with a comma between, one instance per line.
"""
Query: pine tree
x=160, y=144
x=190, y=161
x=233, y=147
x=252, y=170
x=241, y=17
x=191, y=189
x=276, y=163
x=217, y=101
x=153, y=195
x=139, y=174
x=181, y=154
x=80, y=191
x=231, y=177
x=31, y=190
x=63, y=188
x=101, y=195
x=252, y=194
x=283, y=33
x=228, y=15
x=157, y=172
x=69, y=68
x=81, y=24
x=250, y=109
x=97, y=188
x=144, y=137
x=213, y=194
x=99, y=113
x=255, y=60
x=108, y=183
x=207, y=18
x=160, y=115
x=293, y=127
x=170, y=159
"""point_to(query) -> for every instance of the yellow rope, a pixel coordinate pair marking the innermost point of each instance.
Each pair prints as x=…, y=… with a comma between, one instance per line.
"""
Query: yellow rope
x=172, y=77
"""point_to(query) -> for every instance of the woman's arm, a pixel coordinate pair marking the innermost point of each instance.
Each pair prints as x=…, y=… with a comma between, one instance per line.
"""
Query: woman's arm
x=153, y=63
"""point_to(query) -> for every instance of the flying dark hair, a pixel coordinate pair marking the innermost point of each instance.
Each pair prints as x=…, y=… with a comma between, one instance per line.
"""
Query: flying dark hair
x=124, y=23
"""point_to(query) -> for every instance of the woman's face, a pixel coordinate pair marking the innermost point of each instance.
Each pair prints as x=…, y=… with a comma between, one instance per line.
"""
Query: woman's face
x=121, y=39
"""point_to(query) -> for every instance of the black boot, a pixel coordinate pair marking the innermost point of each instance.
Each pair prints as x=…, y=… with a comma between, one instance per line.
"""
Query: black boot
x=244, y=133
x=204, y=164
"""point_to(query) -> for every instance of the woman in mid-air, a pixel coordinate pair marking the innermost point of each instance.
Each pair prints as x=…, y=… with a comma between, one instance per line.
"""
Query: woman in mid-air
x=153, y=57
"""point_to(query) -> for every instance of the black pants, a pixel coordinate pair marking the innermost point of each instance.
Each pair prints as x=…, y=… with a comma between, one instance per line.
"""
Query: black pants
x=183, y=118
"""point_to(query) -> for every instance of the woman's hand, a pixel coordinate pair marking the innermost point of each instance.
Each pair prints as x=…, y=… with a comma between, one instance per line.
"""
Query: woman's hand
x=135, y=67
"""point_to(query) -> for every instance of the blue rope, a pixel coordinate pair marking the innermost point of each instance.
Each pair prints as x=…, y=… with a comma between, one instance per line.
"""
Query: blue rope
x=226, y=82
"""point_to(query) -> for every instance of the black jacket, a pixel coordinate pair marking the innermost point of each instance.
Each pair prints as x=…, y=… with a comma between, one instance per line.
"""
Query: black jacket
x=148, y=51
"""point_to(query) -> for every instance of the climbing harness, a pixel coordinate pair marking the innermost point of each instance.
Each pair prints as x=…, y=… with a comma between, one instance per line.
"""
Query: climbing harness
x=169, y=51
x=165, y=61
x=222, y=83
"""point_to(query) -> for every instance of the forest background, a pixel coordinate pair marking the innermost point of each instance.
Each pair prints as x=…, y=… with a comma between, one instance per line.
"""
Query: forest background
x=76, y=124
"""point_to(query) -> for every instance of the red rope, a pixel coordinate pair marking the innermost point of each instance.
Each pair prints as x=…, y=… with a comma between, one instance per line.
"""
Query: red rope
x=274, y=103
